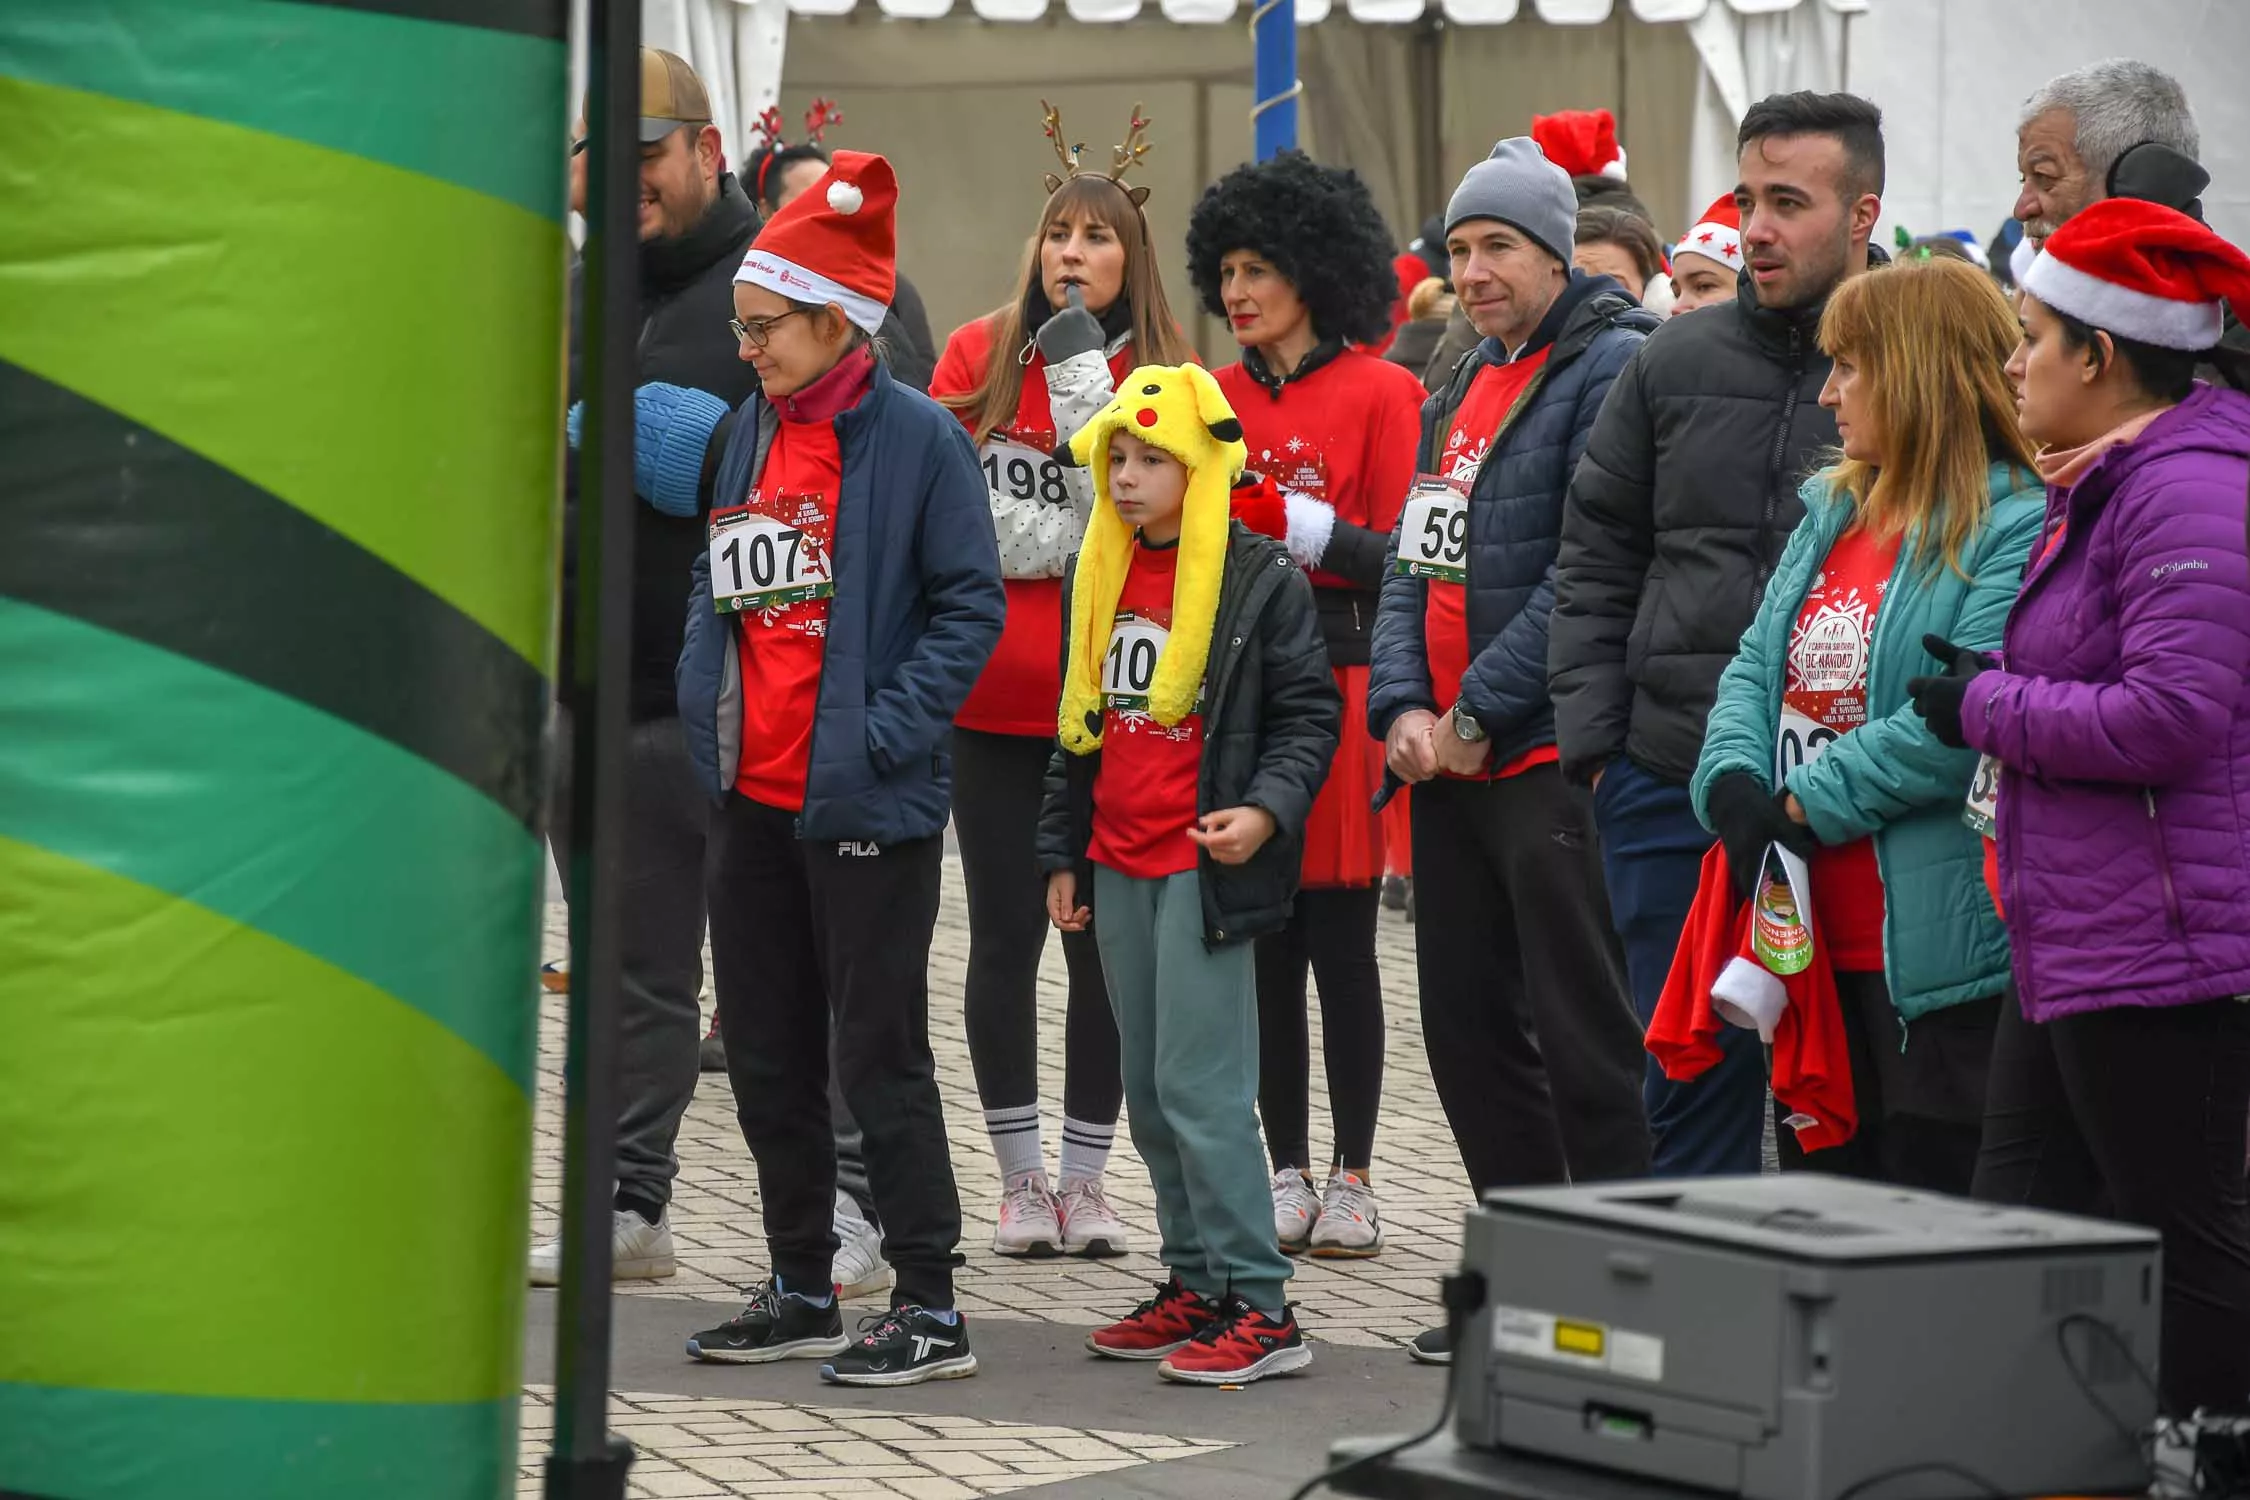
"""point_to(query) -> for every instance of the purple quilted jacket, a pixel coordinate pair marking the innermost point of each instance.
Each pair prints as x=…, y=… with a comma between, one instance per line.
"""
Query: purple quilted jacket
x=2123, y=723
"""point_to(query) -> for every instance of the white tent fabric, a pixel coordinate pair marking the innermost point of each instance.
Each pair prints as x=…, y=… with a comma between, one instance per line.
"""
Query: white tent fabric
x=1748, y=46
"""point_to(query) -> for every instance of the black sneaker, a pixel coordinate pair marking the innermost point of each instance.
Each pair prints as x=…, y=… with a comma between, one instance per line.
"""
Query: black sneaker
x=904, y=1346
x=772, y=1327
x=1430, y=1348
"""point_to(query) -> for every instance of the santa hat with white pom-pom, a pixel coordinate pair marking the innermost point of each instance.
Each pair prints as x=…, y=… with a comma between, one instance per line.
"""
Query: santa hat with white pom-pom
x=2142, y=271
x=836, y=242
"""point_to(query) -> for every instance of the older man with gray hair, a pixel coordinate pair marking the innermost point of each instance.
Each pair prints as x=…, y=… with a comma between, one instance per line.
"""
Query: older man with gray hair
x=2076, y=127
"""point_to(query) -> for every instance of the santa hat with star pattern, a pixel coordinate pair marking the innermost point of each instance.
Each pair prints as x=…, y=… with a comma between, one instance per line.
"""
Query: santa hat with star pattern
x=836, y=242
x=2144, y=272
x=1715, y=235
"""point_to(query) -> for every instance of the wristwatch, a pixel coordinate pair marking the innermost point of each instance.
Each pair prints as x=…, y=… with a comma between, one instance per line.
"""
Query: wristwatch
x=1464, y=726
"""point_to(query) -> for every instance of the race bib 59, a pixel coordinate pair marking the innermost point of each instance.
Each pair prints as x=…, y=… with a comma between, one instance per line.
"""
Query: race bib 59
x=1433, y=538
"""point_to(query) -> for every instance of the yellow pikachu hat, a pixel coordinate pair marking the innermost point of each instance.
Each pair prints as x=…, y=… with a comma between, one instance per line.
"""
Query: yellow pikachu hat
x=1181, y=410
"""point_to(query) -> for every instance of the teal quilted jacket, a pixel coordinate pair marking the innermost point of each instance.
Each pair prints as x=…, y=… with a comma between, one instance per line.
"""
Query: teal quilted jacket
x=1942, y=942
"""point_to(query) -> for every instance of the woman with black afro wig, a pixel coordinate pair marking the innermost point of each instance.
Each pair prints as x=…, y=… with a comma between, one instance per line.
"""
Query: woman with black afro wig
x=1296, y=258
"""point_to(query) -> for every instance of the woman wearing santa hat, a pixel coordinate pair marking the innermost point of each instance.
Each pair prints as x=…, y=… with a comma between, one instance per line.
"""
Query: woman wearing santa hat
x=1292, y=255
x=1085, y=307
x=2117, y=719
x=849, y=594
x=1708, y=258
x=1923, y=527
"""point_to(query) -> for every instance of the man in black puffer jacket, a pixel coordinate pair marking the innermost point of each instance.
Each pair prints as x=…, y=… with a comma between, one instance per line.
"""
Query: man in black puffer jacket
x=1675, y=520
x=695, y=226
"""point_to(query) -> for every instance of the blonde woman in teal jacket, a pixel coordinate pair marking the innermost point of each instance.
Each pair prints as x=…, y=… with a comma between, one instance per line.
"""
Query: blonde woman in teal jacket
x=1920, y=533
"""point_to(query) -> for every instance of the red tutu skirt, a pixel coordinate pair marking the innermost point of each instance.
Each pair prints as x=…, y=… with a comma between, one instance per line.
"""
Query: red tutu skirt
x=1344, y=836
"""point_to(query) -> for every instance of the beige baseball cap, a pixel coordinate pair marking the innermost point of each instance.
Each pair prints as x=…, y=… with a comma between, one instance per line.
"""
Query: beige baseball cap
x=671, y=95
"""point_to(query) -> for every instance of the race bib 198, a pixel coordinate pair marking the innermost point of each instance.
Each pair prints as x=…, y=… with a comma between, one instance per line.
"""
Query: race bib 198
x=1129, y=666
x=758, y=562
x=1433, y=538
x=1014, y=473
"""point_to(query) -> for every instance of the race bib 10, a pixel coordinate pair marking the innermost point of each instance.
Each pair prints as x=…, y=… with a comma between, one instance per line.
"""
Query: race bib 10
x=1014, y=473
x=758, y=562
x=1433, y=537
x=1129, y=665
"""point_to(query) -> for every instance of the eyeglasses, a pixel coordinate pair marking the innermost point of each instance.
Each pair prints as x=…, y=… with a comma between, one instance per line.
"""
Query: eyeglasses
x=756, y=332
x=577, y=146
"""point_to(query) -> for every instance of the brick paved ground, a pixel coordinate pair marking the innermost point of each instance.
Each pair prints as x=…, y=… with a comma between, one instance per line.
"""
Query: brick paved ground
x=704, y=1447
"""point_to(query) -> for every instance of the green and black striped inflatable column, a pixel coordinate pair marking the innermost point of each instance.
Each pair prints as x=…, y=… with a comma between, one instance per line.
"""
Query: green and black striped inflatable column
x=280, y=390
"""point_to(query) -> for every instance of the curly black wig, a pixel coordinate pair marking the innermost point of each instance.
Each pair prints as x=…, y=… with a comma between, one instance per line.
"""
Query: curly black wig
x=1317, y=225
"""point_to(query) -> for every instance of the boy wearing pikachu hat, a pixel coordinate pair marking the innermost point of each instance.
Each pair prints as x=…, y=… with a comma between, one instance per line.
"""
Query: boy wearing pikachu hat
x=1198, y=719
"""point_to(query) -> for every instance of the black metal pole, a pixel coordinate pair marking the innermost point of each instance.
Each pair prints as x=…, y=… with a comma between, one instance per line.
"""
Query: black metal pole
x=587, y=1462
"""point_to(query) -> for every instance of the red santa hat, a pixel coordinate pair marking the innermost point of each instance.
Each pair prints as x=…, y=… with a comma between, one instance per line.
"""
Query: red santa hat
x=2143, y=272
x=1716, y=235
x=1583, y=142
x=837, y=242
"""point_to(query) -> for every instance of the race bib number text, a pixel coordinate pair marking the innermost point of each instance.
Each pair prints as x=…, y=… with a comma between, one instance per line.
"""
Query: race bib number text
x=1129, y=666
x=758, y=562
x=1433, y=538
x=1014, y=473
x=1801, y=741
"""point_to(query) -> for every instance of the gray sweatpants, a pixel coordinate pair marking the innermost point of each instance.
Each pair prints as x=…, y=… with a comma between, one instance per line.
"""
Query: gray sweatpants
x=1188, y=1022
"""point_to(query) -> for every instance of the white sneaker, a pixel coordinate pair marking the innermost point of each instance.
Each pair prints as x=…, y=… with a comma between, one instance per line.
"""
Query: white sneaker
x=1350, y=1228
x=1030, y=1218
x=638, y=1251
x=1295, y=1208
x=1089, y=1225
x=859, y=1268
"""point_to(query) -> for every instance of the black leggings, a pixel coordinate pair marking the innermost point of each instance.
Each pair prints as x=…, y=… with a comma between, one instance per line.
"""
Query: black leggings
x=2140, y=1114
x=998, y=781
x=1334, y=932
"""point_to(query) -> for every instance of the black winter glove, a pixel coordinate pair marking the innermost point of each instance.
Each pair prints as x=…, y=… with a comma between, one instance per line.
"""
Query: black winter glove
x=1071, y=331
x=1938, y=699
x=1748, y=819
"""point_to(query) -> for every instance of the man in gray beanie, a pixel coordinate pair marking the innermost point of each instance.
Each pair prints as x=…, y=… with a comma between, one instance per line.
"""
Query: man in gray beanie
x=1513, y=939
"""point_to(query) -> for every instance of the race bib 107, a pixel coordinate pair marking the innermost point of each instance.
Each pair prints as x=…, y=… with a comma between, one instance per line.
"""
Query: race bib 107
x=760, y=563
x=1433, y=537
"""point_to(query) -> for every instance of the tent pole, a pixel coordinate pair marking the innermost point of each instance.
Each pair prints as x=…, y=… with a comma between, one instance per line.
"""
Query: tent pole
x=588, y=1463
x=1273, y=119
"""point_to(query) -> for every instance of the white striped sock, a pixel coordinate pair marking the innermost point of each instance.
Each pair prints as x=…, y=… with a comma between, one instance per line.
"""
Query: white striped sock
x=1016, y=1144
x=1085, y=1148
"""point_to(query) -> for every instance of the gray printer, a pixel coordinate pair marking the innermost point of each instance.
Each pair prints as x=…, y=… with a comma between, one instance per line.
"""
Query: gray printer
x=1810, y=1338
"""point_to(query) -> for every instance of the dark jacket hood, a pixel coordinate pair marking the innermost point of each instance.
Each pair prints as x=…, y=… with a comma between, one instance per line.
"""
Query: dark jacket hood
x=1587, y=305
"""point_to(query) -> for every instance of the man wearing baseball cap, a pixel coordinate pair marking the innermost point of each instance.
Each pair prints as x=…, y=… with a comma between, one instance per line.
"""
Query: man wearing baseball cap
x=695, y=225
x=1532, y=1041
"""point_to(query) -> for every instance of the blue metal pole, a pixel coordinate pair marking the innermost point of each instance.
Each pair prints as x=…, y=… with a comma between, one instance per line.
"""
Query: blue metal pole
x=1273, y=30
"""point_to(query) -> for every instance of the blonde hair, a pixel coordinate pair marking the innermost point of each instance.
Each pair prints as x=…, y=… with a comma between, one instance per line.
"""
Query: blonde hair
x=1157, y=339
x=1430, y=300
x=1932, y=340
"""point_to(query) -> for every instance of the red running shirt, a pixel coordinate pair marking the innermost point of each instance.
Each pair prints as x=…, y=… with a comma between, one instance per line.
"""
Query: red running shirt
x=783, y=647
x=1445, y=612
x=1145, y=787
x=1823, y=697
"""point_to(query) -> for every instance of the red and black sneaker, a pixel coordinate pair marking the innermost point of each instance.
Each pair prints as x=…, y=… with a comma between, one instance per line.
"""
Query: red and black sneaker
x=1158, y=1326
x=1242, y=1346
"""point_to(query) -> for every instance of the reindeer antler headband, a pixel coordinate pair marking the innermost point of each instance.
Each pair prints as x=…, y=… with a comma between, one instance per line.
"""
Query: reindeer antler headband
x=818, y=117
x=1122, y=158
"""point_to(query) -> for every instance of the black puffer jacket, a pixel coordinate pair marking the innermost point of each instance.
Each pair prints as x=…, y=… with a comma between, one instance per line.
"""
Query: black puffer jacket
x=1271, y=717
x=1675, y=521
x=687, y=296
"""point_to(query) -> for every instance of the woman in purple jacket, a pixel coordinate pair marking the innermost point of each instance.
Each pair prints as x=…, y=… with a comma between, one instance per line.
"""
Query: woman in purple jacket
x=2119, y=729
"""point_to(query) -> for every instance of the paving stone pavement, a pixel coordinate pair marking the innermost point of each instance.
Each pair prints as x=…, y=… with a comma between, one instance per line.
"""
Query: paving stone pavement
x=1369, y=1304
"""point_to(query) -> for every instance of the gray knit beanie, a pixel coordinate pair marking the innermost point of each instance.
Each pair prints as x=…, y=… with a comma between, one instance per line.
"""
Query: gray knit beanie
x=1517, y=185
